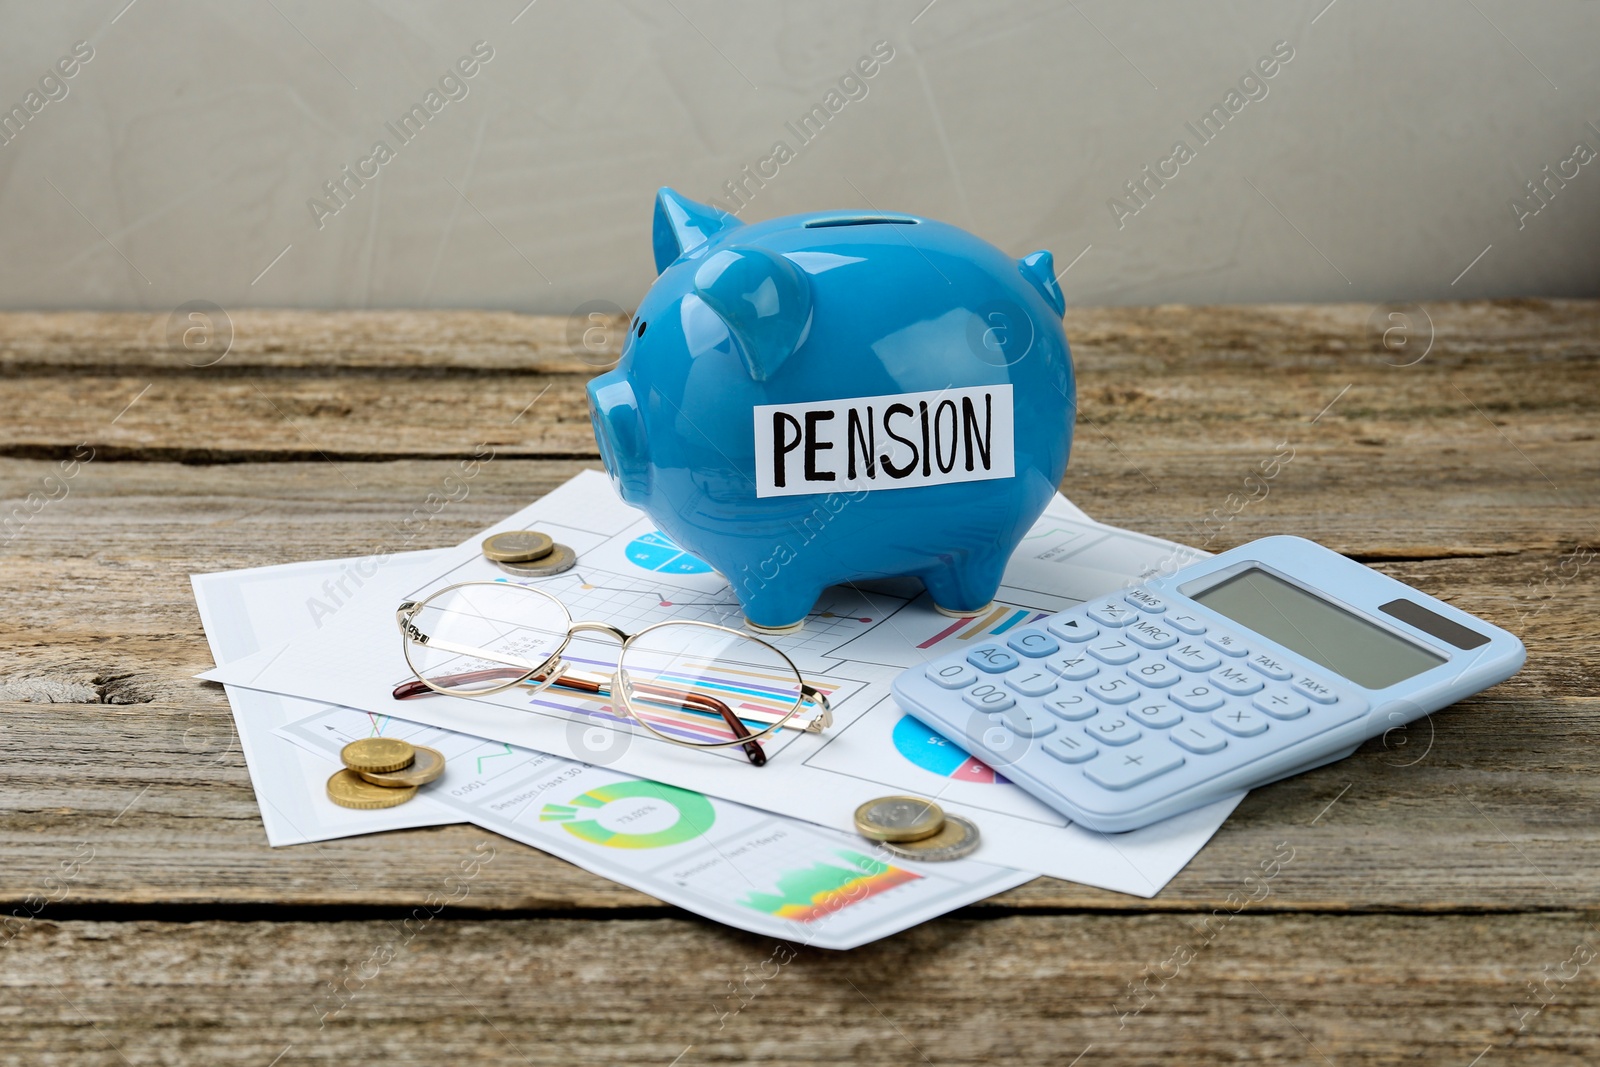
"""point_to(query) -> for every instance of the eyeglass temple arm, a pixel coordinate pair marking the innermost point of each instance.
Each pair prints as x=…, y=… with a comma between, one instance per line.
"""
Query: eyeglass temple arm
x=689, y=701
x=752, y=748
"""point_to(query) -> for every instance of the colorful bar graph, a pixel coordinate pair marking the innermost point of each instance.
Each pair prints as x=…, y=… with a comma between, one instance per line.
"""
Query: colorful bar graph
x=997, y=621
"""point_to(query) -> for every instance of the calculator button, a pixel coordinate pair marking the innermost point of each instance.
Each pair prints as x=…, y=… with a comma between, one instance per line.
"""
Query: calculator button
x=1113, y=650
x=1227, y=644
x=1314, y=688
x=1240, y=721
x=1033, y=643
x=1074, y=707
x=1271, y=666
x=1113, y=731
x=1159, y=715
x=1031, y=683
x=1112, y=613
x=991, y=659
x=1131, y=767
x=1281, y=705
x=951, y=675
x=1240, y=683
x=988, y=697
x=1112, y=691
x=1072, y=629
x=1069, y=749
x=1198, y=739
x=1197, y=697
x=1024, y=723
x=1189, y=624
x=1073, y=665
x=1158, y=673
x=1151, y=634
x=1193, y=656
x=1144, y=600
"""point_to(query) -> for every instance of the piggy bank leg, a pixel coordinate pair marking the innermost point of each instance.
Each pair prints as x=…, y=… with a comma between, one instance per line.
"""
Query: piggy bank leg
x=967, y=586
x=779, y=608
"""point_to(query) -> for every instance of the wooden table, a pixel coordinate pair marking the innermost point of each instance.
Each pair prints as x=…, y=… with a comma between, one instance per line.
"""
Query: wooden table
x=1442, y=898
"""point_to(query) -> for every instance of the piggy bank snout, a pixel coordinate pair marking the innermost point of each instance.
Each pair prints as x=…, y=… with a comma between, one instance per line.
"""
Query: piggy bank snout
x=619, y=431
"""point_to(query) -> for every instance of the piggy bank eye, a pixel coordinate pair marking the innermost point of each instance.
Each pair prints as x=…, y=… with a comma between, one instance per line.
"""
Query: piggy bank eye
x=639, y=331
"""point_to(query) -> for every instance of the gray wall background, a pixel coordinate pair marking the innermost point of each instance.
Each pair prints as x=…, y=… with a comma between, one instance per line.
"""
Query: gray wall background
x=1382, y=164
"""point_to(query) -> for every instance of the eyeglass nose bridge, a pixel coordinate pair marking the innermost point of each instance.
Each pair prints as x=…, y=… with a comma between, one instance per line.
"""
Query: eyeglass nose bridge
x=599, y=627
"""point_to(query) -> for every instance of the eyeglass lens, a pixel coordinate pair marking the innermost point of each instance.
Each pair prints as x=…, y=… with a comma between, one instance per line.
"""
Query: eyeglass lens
x=713, y=667
x=481, y=636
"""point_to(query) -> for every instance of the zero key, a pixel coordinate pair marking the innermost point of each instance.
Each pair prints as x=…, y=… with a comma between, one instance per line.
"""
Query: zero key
x=951, y=675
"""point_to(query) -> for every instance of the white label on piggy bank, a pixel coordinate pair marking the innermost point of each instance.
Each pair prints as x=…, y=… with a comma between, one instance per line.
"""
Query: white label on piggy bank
x=885, y=442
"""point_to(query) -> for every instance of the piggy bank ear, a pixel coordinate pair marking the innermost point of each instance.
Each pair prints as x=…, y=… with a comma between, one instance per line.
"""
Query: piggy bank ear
x=765, y=301
x=1040, y=270
x=681, y=225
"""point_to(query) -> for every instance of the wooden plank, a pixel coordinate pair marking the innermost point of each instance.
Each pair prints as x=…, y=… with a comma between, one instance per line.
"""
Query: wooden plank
x=235, y=418
x=1443, y=816
x=135, y=530
x=435, y=342
x=356, y=386
x=1251, y=987
x=386, y=342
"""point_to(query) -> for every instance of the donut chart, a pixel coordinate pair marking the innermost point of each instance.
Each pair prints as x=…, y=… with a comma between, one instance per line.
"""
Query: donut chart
x=633, y=815
x=655, y=551
x=937, y=754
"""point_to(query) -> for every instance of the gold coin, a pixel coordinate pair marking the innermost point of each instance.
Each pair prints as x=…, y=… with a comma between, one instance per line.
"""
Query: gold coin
x=517, y=546
x=347, y=790
x=561, y=558
x=378, y=754
x=428, y=765
x=957, y=838
x=899, y=818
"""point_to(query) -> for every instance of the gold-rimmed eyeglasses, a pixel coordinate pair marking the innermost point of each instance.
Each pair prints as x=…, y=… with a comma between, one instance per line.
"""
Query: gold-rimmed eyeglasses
x=692, y=683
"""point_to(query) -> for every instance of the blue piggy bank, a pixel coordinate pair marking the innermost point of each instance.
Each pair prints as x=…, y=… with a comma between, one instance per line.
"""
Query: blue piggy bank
x=839, y=396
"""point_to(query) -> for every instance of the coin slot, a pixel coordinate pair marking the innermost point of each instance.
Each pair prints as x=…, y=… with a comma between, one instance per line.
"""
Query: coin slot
x=861, y=220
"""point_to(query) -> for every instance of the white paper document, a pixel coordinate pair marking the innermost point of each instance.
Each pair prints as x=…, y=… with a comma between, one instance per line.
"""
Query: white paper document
x=853, y=644
x=750, y=869
x=247, y=610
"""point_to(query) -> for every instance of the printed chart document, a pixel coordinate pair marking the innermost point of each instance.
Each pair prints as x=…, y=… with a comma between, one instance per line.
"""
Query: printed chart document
x=247, y=610
x=852, y=645
x=751, y=869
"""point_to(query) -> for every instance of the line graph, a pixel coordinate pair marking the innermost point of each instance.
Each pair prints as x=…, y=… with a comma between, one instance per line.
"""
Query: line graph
x=494, y=755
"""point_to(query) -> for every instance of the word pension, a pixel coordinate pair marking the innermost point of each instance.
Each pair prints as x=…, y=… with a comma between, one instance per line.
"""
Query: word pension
x=885, y=442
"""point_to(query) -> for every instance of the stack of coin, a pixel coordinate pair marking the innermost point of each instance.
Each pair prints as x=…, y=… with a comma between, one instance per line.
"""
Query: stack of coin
x=528, y=553
x=916, y=829
x=383, y=772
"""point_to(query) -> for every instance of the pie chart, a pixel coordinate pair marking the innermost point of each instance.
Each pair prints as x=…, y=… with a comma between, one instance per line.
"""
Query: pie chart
x=936, y=753
x=634, y=815
x=655, y=551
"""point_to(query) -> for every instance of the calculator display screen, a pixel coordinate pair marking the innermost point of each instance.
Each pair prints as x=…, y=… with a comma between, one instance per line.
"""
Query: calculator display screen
x=1346, y=644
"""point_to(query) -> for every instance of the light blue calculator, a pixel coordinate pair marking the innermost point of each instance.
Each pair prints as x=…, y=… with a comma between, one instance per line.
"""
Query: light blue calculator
x=1268, y=660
